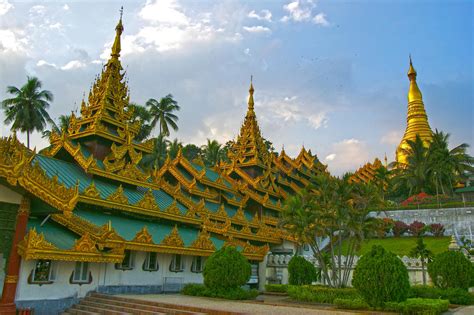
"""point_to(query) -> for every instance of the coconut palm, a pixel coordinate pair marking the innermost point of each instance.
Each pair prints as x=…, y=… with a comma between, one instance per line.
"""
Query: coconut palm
x=425, y=255
x=191, y=151
x=27, y=110
x=162, y=114
x=141, y=114
x=174, y=147
x=157, y=157
x=211, y=152
x=382, y=179
x=57, y=128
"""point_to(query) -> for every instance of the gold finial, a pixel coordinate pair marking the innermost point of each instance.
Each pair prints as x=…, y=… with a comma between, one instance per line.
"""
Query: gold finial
x=118, y=32
x=251, y=90
x=411, y=70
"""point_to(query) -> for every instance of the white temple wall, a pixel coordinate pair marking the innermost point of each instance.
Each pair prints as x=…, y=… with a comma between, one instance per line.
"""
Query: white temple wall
x=9, y=196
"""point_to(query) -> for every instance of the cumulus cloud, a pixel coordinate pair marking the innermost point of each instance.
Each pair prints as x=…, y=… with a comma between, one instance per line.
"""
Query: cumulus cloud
x=65, y=7
x=5, y=6
x=257, y=29
x=13, y=41
x=265, y=15
x=164, y=12
x=347, y=156
x=302, y=11
x=320, y=19
x=392, y=137
x=74, y=64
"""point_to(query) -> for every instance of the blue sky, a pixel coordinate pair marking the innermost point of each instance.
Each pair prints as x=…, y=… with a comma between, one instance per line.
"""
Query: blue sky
x=328, y=74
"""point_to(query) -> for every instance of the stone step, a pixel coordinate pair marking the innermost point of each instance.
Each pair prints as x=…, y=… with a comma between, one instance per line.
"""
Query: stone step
x=74, y=311
x=140, y=306
x=113, y=306
x=97, y=309
x=194, y=309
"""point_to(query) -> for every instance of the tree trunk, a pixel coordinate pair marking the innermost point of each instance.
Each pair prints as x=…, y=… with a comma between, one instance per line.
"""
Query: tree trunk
x=423, y=270
x=27, y=139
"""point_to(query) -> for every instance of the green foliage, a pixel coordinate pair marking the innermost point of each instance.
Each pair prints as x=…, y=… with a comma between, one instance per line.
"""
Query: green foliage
x=351, y=304
x=229, y=294
x=418, y=307
x=321, y=294
x=280, y=288
x=227, y=268
x=454, y=295
x=212, y=152
x=380, y=276
x=301, y=271
x=451, y=269
x=161, y=113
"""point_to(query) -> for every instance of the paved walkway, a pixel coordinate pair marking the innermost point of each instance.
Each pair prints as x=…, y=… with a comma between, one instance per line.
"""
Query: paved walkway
x=464, y=310
x=247, y=307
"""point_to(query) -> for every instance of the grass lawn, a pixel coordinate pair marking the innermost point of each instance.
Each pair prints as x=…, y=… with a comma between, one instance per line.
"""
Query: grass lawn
x=401, y=246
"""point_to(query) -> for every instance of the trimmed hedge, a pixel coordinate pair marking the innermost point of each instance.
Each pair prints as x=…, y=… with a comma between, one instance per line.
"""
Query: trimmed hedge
x=280, y=288
x=301, y=271
x=321, y=294
x=454, y=295
x=418, y=307
x=194, y=289
x=350, y=304
x=451, y=269
x=380, y=277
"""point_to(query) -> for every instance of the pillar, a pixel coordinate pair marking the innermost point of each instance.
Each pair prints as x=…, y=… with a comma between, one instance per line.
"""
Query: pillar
x=7, y=303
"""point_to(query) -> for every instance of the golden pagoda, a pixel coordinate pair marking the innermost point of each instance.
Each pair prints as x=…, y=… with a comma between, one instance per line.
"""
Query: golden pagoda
x=417, y=120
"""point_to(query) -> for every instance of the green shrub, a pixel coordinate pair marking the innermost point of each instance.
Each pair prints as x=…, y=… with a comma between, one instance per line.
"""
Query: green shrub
x=229, y=293
x=380, y=276
x=226, y=268
x=450, y=269
x=350, y=304
x=282, y=288
x=301, y=271
x=418, y=307
x=454, y=295
x=321, y=294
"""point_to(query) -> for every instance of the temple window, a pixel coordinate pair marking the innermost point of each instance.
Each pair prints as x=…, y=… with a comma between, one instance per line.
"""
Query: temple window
x=151, y=262
x=81, y=273
x=198, y=264
x=177, y=263
x=128, y=261
x=43, y=273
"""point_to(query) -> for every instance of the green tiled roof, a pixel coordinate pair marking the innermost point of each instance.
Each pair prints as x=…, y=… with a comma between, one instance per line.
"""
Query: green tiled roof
x=465, y=189
x=53, y=233
x=210, y=174
x=128, y=227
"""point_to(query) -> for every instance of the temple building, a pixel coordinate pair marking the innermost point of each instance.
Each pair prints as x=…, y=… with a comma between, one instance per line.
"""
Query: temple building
x=417, y=120
x=90, y=218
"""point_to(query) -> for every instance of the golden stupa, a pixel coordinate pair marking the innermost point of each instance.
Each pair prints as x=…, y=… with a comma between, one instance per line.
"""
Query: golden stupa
x=417, y=120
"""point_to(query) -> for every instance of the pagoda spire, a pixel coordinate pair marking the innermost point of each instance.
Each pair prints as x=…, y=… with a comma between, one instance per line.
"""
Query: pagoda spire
x=251, y=90
x=118, y=33
x=417, y=119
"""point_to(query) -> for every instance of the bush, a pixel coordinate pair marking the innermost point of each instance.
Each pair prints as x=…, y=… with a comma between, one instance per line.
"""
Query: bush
x=454, y=295
x=301, y=271
x=321, y=294
x=226, y=268
x=380, y=276
x=229, y=293
x=349, y=304
x=436, y=229
x=418, y=307
x=399, y=228
x=450, y=269
x=281, y=288
x=417, y=228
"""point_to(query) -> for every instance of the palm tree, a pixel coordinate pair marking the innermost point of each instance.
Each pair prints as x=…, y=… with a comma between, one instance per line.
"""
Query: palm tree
x=27, y=110
x=191, y=151
x=382, y=179
x=162, y=113
x=425, y=255
x=157, y=157
x=63, y=125
x=174, y=147
x=141, y=114
x=211, y=152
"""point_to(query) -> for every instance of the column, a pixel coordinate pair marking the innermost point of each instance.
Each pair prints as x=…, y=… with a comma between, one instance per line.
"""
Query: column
x=7, y=303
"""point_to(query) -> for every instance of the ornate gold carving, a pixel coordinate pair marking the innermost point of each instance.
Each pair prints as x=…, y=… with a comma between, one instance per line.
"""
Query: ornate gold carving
x=118, y=196
x=143, y=236
x=37, y=241
x=173, y=208
x=148, y=201
x=85, y=244
x=11, y=279
x=173, y=239
x=239, y=215
x=92, y=191
x=203, y=241
x=24, y=208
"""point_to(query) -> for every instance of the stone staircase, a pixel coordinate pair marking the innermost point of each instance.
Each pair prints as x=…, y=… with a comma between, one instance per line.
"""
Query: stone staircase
x=97, y=303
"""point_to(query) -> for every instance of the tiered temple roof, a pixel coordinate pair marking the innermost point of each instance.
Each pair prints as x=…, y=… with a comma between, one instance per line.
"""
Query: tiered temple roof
x=367, y=173
x=91, y=200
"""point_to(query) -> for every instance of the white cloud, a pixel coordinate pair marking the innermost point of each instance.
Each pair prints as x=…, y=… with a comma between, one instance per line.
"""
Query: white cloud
x=12, y=41
x=73, y=64
x=298, y=11
x=44, y=63
x=5, y=6
x=392, y=138
x=65, y=7
x=320, y=19
x=55, y=26
x=37, y=10
x=164, y=12
x=247, y=51
x=265, y=15
x=347, y=156
x=257, y=29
